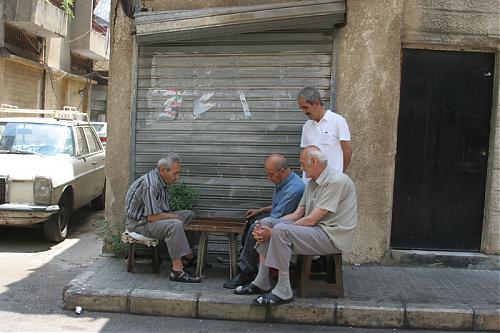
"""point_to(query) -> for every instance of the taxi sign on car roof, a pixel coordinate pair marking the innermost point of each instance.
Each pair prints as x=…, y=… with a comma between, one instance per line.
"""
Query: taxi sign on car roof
x=68, y=113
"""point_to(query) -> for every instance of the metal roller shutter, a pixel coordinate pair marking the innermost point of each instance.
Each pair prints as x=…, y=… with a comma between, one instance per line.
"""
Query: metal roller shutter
x=248, y=85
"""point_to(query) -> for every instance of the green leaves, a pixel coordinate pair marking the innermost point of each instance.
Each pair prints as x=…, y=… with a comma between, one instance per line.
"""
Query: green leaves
x=67, y=6
x=182, y=196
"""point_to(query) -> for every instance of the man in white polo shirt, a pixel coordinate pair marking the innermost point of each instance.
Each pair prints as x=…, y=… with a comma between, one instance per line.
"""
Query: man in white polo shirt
x=325, y=129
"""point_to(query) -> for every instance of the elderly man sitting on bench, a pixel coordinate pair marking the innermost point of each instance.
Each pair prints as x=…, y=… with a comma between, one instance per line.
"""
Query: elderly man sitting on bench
x=323, y=223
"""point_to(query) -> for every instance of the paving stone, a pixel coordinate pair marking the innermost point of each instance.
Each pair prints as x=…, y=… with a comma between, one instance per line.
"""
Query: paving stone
x=230, y=307
x=438, y=316
x=369, y=314
x=373, y=296
x=109, y=300
x=305, y=311
x=163, y=303
x=486, y=319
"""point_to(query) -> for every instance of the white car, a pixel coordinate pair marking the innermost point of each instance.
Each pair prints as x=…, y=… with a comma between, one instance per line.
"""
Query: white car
x=102, y=131
x=48, y=168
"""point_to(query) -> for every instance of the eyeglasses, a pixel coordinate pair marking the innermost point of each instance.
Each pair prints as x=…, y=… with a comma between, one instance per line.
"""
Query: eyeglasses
x=271, y=174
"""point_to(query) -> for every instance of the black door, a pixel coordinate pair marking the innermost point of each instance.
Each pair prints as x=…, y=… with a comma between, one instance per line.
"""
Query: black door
x=442, y=152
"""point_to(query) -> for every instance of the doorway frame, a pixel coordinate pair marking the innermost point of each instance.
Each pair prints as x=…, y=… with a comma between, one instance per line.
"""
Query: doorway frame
x=490, y=238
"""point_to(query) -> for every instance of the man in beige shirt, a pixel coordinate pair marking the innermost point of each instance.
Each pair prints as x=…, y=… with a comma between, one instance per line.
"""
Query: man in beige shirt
x=323, y=223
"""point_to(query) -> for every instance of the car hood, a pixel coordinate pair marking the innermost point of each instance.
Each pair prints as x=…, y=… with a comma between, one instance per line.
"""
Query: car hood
x=26, y=167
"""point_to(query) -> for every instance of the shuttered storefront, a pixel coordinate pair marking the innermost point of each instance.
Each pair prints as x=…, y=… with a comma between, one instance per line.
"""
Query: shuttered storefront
x=224, y=104
x=22, y=85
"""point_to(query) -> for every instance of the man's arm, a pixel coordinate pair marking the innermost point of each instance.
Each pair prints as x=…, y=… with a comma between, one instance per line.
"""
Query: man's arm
x=346, y=152
x=256, y=211
x=312, y=218
x=163, y=216
x=299, y=212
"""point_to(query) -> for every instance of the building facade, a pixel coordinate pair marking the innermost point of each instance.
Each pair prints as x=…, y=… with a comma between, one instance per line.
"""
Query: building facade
x=417, y=81
x=48, y=58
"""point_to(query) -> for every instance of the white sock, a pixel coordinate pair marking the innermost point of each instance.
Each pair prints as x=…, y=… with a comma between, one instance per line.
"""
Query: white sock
x=262, y=278
x=283, y=288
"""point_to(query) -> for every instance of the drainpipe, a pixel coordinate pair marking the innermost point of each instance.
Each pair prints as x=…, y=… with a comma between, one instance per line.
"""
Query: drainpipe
x=2, y=25
x=44, y=74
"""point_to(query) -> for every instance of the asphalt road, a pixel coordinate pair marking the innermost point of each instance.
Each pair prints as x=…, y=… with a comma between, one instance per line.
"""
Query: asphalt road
x=33, y=274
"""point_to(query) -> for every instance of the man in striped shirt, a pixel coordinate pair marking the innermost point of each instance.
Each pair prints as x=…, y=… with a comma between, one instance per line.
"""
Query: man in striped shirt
x=148, y=213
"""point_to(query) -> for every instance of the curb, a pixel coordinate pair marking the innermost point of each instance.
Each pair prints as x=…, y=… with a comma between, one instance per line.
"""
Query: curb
x=338, y=312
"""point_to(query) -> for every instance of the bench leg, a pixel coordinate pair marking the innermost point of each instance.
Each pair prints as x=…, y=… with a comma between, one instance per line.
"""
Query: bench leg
x=202, y=248
x=303, y=271
x=233, y=253
x=131, y=258
x=156, y=259
x=339, y=280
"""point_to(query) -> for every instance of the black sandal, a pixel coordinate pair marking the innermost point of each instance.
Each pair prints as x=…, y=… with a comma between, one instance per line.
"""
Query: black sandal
x=249, y=289
x=271, y=299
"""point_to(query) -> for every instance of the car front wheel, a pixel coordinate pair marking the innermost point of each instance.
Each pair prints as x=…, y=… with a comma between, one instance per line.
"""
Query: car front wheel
x=56, y=228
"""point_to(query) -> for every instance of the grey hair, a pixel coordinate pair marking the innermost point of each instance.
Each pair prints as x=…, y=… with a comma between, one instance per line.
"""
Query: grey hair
x=168, y=160
x=311, y=95
x=314, y=152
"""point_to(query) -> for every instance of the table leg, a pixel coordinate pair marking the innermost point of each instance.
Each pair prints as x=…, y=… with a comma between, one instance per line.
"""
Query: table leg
x=202, y=247
x=233, y=253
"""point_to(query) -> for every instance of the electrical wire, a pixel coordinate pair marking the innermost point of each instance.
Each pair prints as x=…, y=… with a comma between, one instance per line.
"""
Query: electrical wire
x=77, y=38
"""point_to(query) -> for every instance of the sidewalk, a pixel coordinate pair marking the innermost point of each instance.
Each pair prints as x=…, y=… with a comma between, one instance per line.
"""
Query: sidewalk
x=375, y=296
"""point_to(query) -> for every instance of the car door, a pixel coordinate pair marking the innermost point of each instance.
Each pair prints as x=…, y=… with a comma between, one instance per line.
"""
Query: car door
x=96, y=159
x=82, y=167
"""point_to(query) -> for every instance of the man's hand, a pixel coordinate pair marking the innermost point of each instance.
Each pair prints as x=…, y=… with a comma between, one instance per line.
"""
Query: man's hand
x=262, y=233
x=252, y=212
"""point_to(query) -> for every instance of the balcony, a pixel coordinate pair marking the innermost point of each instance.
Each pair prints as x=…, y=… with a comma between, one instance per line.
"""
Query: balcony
x=89, y=37
x=38, y=17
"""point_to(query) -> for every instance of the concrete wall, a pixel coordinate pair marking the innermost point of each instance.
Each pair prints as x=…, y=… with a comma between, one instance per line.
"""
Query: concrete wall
x=158, y=5
x=119, y=119
x=491, y=227
x=368, y=96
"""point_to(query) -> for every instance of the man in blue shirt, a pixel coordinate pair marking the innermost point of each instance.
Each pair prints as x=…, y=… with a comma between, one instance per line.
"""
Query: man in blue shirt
x=286, y=197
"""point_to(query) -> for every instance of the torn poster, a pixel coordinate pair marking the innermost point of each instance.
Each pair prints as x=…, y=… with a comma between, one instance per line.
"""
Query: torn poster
x=200, y=105
x=244, y=104
x=172, y=106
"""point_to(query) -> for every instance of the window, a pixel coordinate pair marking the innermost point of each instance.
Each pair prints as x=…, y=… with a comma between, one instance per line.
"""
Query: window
x=92, y=140
x=44, y=139
x=82, y=143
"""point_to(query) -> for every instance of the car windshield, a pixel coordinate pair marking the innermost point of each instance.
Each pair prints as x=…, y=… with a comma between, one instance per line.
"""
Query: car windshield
x=43, y=139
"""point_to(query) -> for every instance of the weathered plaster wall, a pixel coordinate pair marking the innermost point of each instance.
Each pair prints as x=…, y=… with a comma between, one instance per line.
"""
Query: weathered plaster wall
x=463, y=25
x=368, y=96
x=158, y=5
x=460, y=24
x=119, y=119
x=491, y=228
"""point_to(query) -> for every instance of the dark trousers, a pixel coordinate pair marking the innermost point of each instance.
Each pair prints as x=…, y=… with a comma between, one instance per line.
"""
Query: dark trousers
x=248, y=262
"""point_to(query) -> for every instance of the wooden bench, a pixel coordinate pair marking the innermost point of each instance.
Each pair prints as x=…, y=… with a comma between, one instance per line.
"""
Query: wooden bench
x=332, y=287
x=217, y=226
x=127, y=237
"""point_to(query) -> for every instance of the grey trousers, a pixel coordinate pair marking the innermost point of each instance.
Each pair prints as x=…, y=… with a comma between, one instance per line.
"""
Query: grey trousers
x=288, y=239
x=170, y=230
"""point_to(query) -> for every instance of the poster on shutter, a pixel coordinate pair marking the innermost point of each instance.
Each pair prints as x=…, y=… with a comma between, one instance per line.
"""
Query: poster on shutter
x=171, y=108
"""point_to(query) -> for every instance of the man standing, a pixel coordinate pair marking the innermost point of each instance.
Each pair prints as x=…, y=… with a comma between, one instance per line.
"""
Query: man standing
x=148, y=213
x=286, y=196
x=323, y=223
x=325, y=129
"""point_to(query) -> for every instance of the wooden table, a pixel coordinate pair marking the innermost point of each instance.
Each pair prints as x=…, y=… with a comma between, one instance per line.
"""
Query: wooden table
x=217, y=226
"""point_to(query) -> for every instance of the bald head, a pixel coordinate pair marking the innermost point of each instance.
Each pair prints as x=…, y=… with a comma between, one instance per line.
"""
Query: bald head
x=276, y=161
x=277, y=168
